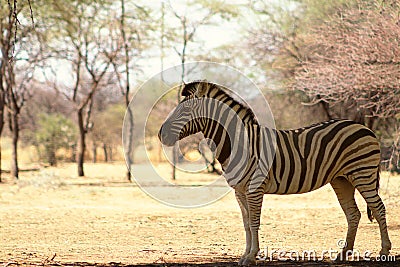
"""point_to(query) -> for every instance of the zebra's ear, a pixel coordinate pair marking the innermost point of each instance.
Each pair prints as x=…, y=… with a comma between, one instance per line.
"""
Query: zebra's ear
x=188, y=89
x=197, y=88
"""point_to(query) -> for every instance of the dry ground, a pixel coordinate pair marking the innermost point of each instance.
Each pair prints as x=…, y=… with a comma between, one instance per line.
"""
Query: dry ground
x=52, y=218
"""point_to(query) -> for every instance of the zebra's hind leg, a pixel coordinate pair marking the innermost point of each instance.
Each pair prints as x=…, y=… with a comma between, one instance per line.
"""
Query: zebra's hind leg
x=369, y=190
x=345, y=193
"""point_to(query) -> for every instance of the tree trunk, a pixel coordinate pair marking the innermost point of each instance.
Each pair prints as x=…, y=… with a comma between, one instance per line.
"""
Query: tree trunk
x=174, y=160
x=1, y=170
x=51, y=157
x=1, y=123
x=128, y=156
x=81, y=144
x=128, y=174
x=110, y=153
x=15, y=136
x=129, y=152
x=94, y=152
x=326, y=109
x=105, y=152
x=371, y=123
x=73, y=153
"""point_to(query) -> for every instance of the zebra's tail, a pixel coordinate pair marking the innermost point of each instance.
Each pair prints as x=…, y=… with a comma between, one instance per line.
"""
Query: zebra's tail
x=370, y=216
x=369, y=212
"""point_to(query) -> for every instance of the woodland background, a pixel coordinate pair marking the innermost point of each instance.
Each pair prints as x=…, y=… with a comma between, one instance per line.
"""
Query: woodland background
x=68, y=70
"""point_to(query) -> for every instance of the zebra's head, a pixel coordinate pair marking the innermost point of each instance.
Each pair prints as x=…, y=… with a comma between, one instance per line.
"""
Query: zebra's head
x=187, y=118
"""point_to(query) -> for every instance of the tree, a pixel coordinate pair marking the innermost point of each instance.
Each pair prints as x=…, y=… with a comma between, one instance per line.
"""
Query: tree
x=132, y=39
x=275, y=44
x=278, y=45
x=90, y=47
x=18, y=60
x=126, y=93
x=354, y=69
x=209, y=12
x=6, y=42
x=354, y=62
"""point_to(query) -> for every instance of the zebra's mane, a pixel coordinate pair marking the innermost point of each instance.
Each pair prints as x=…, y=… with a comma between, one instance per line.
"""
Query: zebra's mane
x=191, y=88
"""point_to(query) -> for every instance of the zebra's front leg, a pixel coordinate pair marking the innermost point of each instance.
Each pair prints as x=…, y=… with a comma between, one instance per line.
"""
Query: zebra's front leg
x=242, y=200
x=254, y=204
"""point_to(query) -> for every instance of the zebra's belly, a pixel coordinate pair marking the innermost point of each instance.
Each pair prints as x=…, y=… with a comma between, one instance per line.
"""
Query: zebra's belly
x=298, y=184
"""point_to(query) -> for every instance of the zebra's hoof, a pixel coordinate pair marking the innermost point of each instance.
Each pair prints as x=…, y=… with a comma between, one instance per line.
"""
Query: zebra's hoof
x=344, y=255
x=247, y=261
x=240, y=263
x=384, y=252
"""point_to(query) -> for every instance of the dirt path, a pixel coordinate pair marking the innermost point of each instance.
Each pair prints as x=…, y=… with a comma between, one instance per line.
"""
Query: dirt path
x=50, y=218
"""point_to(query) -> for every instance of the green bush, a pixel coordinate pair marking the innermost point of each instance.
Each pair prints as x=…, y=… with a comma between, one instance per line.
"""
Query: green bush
x=54, y=132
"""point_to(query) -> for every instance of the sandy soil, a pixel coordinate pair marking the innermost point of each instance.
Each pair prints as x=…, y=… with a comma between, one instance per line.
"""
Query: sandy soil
x=52, y=218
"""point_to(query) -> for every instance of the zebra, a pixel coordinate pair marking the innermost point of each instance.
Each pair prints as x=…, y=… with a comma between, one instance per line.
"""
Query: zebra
x=340, y=152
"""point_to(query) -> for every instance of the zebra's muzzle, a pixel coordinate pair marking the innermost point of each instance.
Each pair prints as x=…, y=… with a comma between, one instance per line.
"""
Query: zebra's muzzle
x=166, y=137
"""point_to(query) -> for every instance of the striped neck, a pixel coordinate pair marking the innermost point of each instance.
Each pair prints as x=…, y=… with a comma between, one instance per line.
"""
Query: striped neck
x=225, y=141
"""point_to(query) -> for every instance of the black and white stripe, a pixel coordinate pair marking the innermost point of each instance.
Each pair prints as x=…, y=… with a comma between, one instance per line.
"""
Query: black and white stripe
x=258, y=160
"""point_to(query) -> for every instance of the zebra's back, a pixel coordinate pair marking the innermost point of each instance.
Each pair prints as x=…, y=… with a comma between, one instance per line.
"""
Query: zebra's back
x=310, y=157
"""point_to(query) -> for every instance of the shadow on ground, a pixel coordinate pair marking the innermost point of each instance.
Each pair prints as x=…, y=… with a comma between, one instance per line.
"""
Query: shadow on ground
x=231, y=262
